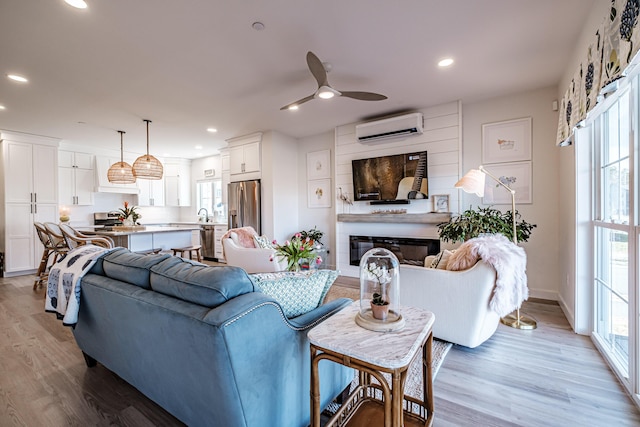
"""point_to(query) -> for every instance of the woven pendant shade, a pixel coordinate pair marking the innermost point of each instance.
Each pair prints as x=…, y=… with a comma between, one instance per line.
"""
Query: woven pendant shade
x=147, y=166
x=121, y=172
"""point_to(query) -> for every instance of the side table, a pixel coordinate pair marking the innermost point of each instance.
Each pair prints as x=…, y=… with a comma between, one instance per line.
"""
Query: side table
x=339, y=339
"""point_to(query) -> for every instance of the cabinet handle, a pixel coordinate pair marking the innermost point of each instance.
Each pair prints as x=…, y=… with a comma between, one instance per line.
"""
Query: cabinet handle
x=35, y=208
x=31, y=198
x=35, y=197
x=31, y=208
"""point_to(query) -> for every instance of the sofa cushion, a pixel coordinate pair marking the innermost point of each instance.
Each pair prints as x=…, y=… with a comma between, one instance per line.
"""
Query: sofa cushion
x=441, y=260
x=262, y=242
x=297, y=292
x=464, y=258
x=126, y=266
x=199, y=284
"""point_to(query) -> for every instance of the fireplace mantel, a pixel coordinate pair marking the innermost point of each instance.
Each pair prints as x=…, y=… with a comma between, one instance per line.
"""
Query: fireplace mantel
x=406, y=218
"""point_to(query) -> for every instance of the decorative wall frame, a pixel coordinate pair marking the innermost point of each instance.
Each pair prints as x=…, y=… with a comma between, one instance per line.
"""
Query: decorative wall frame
x=319, y=193
x=319, y=164
x=507, y=141
x=440, y=203
x=516, y=175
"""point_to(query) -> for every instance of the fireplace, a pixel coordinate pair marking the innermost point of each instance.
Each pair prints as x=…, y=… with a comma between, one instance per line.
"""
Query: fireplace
x=408, y=250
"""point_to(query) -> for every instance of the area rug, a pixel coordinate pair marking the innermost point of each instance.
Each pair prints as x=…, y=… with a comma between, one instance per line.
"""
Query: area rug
x=413, y=386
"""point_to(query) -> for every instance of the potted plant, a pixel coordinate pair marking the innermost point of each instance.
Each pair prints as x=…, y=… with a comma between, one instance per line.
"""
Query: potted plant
x=314, y=235
x=296, y=251
x=380, y=299
x=128, y=215
x=471, y=223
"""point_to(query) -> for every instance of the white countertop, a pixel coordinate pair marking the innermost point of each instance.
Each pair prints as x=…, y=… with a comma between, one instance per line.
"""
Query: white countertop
x=146, y=229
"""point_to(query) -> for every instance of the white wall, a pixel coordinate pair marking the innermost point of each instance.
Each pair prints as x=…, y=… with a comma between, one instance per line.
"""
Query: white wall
x=280, y=186
x=441, y=140
x=567, y=195
x=322, y=218
x=543, y=249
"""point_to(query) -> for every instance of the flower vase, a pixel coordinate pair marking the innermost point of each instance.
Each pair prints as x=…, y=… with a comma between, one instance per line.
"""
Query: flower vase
x=127, y=222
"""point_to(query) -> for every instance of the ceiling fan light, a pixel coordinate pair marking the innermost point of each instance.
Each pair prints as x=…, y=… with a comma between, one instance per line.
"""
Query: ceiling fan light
x=121, y=172
x=325, y=93
x=293, y=107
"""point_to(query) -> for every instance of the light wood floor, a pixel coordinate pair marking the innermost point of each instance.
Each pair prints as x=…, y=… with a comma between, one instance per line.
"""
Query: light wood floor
x=546, y=377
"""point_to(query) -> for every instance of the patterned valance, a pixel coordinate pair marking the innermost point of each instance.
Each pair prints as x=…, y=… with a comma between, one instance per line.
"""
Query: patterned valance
x=613, y=46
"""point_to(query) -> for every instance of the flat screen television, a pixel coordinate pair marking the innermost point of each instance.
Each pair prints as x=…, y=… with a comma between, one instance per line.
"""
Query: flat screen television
x=391, y=178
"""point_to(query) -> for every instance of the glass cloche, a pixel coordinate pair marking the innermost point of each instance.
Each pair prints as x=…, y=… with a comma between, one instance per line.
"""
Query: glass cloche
x=380, y=291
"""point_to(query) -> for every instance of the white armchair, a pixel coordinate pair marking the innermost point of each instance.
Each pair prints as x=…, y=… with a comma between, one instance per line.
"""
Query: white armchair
x=459, y=300
x=252, y=260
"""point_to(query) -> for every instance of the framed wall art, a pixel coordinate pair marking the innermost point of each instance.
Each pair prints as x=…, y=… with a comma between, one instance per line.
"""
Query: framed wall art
x=516, y=175
x=319, y=164
x=508, y=141
x=440, y=203
x=319, y=193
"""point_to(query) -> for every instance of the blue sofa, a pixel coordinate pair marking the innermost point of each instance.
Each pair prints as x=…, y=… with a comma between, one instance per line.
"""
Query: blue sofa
x=202, y=342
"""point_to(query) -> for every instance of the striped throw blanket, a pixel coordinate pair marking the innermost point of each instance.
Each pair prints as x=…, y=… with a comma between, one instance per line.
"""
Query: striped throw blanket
x=63, y=285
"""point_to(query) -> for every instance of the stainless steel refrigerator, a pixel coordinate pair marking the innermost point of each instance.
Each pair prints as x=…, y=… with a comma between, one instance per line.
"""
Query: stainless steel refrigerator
x=244, y=204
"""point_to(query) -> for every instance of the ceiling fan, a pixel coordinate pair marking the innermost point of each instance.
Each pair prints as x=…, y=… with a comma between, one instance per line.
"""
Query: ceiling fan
x=325, y=91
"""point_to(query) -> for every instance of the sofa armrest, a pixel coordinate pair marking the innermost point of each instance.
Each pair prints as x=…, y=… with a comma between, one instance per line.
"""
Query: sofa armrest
x=314, y=317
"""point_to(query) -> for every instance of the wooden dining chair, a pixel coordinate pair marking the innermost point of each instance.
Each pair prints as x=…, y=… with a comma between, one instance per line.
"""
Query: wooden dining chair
x=75, y=238
x=42, y=273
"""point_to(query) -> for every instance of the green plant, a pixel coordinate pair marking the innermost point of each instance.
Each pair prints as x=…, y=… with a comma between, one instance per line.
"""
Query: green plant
x=294, y=250
x=127, y=212
x=472, y=223
x=381, y=276
x=313, y=234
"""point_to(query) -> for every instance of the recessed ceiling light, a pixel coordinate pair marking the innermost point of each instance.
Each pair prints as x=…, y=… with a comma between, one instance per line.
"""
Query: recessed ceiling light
x=445, y=62
x=293, y=107
x=198, y=147
x=78, y=4
x=212, y=130
x=17, y=78
x=2, y=107
x=258, y=26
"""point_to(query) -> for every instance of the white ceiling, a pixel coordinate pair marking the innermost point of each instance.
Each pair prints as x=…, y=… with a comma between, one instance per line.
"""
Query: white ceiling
x=192, y=64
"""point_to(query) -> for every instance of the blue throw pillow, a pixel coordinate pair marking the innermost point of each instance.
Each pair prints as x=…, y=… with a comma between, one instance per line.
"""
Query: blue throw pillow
x=297, y=292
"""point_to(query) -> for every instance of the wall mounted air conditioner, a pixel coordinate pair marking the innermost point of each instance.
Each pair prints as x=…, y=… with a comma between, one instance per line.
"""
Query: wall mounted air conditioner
x=393, y=127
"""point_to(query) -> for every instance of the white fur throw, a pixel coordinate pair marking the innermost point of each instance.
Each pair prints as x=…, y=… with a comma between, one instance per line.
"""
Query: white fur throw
x=510, y=263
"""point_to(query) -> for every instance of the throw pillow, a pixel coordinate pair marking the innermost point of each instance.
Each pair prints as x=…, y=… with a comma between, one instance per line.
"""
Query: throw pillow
x=428, y=260
x=262, y=242
x=464, y=258
x=297, y=292
x=441, y=260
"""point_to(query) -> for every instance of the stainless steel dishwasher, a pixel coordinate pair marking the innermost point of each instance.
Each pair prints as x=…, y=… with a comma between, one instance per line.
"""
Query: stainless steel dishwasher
x=207, y=241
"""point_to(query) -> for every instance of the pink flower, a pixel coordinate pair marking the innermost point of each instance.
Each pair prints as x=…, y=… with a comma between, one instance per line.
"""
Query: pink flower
x=298, y=235
x=318, y=260
x=287, y=243
x=271, y=258
x=274, y=242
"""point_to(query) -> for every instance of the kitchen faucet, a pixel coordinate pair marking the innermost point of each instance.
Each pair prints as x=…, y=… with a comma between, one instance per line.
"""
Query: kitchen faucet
x=206, y=213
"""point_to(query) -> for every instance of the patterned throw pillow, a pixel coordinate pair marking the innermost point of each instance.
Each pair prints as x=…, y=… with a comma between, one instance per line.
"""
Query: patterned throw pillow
x=297, y=292
x=262, y=242
x=442, y=259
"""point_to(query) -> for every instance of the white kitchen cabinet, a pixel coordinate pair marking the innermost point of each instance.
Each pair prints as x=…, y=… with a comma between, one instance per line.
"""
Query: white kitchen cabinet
x=76, y=178
x=218, y=232
x=244, y=158
x=151, y=192
x=177, y=183
x=30, y=172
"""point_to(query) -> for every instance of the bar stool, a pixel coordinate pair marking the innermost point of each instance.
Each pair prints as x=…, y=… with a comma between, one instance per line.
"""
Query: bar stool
x=190, y=250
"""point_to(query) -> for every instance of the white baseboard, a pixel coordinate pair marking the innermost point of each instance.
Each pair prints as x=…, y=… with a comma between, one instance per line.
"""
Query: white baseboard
x=568, y=312
x=548, y=295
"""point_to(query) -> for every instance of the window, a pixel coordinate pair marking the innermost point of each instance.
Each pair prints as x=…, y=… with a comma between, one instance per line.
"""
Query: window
x=209, y=197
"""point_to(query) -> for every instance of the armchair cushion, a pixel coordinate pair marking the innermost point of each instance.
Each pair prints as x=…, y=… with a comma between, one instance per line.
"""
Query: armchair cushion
x=262, y=242
x=297, y=292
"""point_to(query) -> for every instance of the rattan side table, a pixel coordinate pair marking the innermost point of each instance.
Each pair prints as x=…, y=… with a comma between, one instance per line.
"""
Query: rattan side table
x=339, y=339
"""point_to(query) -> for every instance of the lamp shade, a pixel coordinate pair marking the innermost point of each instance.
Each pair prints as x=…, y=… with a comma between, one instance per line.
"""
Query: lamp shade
x=121, y=172
x=472, y=182
x=147, y=166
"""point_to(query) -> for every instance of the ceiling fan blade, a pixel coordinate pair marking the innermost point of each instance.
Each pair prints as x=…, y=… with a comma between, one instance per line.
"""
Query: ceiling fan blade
x=317, y=69
x=298, y=102
x=364, y=96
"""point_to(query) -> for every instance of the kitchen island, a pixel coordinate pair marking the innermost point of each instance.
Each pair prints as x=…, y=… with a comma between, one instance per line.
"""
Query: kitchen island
x=147, y=238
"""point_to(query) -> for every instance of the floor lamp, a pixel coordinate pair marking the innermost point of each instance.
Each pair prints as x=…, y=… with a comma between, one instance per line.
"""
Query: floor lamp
x=473, y=182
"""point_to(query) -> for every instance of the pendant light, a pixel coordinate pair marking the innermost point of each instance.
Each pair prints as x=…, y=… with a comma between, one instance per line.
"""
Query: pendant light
x=121, y=172
x=147, y=166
